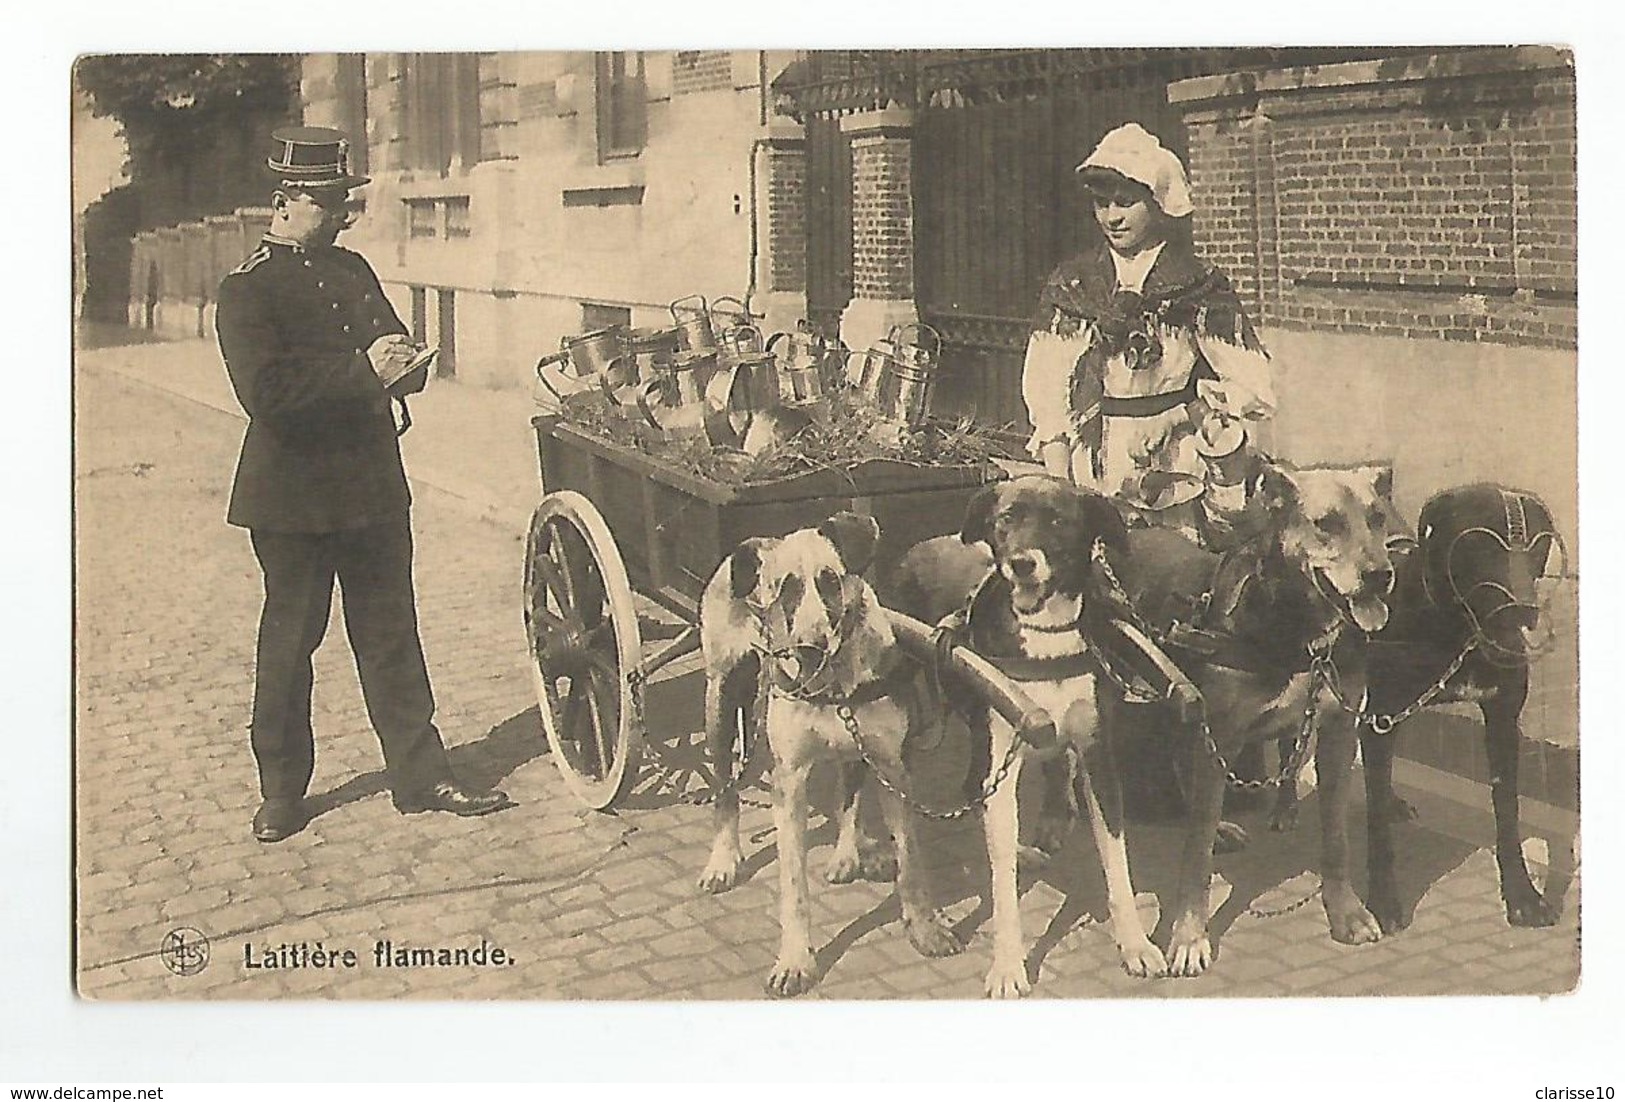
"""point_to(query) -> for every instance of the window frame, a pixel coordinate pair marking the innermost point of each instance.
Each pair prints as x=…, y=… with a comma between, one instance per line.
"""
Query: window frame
x=620, y=81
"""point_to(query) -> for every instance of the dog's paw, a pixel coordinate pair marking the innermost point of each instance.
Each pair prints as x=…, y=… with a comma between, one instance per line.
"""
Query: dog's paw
x=720, y=874
x=1190, y=950
x=933, y=935
x=792, y=977
x=1229, y=838
x=1529, y=909
x=1284, y=820
x=1190, y=958
x=878, y=864
x=1008, y=980
x=1390, y=914
x=1142, y=958
x=843, y=868
x=1349, y=921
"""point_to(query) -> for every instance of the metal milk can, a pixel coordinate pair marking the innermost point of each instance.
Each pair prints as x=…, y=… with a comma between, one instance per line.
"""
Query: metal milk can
x=803, y=362
x=652, y=350
x=865, y=371
x=692, y=316
x=599, y=358
x=906, y=394
x=674, y=401
x=735, y=325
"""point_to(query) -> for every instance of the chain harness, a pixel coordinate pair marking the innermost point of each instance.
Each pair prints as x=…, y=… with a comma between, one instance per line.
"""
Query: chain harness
x=989, y=786
x=768, y=685
x=1322, y=664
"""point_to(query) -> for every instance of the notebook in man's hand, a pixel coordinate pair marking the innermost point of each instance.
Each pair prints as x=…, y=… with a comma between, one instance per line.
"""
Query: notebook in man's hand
x=411, y=376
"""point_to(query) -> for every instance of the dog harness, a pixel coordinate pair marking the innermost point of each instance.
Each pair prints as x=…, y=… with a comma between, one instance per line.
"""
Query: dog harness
x=867, y=692
x=954, y=630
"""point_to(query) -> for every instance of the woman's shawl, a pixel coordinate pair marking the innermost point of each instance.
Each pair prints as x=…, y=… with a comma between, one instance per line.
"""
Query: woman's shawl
x=1180, y=292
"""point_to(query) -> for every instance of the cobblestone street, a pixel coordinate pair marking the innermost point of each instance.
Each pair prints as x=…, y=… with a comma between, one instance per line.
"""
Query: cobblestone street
x=583, y=904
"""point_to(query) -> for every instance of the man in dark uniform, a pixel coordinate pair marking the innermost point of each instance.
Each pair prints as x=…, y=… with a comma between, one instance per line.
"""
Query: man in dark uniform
x=309, y=339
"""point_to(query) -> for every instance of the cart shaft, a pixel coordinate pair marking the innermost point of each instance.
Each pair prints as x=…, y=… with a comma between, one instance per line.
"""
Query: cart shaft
x=1032, y=723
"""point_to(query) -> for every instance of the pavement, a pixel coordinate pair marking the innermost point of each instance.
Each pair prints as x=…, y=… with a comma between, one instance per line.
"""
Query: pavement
x=582, y=904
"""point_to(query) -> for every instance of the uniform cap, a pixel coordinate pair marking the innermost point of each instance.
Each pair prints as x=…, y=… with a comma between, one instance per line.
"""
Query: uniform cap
x=312, y=156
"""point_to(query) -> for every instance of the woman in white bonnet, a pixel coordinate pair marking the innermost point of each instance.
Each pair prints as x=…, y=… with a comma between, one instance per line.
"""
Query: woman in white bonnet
x=1143, y=376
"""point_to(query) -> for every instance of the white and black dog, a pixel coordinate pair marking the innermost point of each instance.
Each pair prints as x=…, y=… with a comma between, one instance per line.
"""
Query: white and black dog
x=796, y=613
x=1024, y=574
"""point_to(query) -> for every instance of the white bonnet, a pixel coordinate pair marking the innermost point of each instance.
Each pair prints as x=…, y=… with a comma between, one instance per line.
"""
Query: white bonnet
x=1134, y=152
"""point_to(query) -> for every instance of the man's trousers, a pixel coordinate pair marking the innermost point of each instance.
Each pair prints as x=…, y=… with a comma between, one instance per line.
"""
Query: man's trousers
x=373, y=567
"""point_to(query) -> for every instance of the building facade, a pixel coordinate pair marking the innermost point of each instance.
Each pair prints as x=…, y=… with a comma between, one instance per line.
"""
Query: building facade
x=1406, y=232
x=521, y=197
x=1402, y=224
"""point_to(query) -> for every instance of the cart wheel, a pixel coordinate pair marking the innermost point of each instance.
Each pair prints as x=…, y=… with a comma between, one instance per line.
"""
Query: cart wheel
x=585, y=649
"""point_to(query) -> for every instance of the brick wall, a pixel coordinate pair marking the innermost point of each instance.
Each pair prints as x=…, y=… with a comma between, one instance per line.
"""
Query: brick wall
x=787, y=215
x=1427, y=197
x=701, y=71
x=882, y=216
x=1223, y=175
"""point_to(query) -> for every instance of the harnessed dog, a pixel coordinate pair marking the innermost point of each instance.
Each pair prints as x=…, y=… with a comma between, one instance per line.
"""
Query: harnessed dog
x=794, y=614
x=1260, y=630
x=1018, y=587
x=1468, y=618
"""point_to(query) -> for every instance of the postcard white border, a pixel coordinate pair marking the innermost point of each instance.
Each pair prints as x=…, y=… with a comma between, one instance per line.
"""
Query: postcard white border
x=1323, y=1048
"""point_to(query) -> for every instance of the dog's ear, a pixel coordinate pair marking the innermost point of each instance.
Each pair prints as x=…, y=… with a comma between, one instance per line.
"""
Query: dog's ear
x=745, y=567
x=1099, y=519
x=978, y=523
x=1382, y=480
x=855, y=537
x=1277, y=489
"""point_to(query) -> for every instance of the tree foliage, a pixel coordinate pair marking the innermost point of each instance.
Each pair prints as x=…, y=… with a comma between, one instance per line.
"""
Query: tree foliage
x=167, y=102
x=189, y=121
x=147, y=87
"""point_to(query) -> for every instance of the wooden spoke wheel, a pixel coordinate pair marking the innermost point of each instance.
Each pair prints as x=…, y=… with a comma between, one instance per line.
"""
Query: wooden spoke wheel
x=582, y=627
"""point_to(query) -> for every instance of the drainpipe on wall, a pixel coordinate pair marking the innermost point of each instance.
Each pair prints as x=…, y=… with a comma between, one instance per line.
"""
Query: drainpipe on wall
x=756, y=147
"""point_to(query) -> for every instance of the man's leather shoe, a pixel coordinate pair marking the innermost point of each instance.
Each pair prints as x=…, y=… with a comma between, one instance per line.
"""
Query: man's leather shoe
x=453, y=797
x=280, y=817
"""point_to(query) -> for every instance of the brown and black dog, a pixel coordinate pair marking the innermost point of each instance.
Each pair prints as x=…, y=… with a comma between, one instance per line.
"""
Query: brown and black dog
x=1024, y=567
x=1311, y=574
x=1467, y=596
x=796, y=612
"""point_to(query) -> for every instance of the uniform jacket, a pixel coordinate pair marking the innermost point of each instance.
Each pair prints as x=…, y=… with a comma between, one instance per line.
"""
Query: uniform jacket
x=320, y=453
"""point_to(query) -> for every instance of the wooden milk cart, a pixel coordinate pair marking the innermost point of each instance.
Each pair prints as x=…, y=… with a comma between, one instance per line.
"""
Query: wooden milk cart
x=612, y=520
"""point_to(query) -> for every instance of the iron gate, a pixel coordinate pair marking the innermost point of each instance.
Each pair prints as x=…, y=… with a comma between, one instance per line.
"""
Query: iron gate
x=996, y=204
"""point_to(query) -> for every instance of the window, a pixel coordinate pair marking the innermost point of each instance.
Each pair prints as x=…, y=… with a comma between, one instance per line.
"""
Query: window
x=438, y=216
x=457, y=216
x=421, y=217
x=622, y=105
x=442, y=97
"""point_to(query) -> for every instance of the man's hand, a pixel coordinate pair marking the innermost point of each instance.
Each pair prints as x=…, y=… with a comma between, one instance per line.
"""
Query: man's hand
x=389, y=355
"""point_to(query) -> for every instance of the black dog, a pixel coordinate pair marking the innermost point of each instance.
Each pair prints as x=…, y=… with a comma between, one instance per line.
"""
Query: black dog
x=1466, y=605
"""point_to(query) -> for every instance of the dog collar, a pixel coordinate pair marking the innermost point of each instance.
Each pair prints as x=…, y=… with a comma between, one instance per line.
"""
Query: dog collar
x=866, y=692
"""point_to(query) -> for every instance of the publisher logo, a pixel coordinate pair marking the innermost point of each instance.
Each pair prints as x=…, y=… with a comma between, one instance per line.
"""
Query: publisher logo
x=184, y=951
